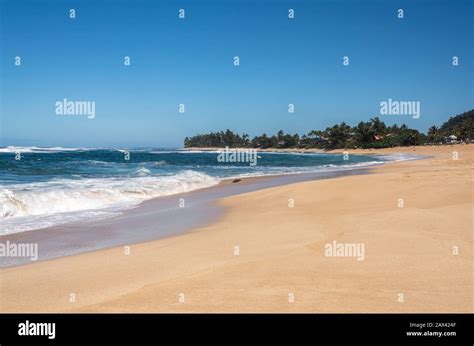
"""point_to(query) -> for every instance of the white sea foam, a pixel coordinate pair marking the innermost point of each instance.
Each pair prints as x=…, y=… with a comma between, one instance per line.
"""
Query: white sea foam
x=280, y=170
x=183, y=151
x=14, y=149
x=399, y=157
x=142, y=171
x=37, y=205
x=284, y=170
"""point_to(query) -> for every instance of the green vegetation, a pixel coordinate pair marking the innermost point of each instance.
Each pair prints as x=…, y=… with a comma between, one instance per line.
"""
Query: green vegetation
x=370, y=134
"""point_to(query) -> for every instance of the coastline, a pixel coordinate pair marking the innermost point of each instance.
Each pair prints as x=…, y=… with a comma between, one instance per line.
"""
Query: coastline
x=152, y=219
x=360, y=151
x=282, y=251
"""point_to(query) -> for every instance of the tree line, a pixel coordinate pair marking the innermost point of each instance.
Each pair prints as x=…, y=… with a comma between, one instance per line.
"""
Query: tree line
x=370, y=134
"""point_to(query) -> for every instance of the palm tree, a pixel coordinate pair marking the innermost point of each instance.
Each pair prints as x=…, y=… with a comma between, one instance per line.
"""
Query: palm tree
x=364, y=134
x=433, y=133
x=378, y=126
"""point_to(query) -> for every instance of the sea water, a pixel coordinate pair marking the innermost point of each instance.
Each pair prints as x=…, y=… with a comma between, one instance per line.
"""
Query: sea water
x=42, y=187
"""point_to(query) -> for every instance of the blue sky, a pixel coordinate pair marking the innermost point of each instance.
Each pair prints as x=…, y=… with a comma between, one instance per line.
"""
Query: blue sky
x=190, y=61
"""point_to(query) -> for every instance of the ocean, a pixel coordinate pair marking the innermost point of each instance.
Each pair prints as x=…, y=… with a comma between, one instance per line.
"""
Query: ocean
x=44, y=187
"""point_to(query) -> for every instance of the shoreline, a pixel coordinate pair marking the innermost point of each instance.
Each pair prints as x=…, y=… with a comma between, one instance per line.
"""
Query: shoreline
x=202, y=208
x=406, y=149
x=24, y=223
x=281, y=252
x=168, y=219
x=158, y=217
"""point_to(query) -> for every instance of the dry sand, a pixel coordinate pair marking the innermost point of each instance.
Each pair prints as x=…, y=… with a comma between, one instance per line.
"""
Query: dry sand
x=408, y=251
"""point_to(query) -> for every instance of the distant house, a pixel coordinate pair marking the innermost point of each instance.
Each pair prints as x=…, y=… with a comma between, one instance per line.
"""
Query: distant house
x=377, y=137
x=319, y=138
x=450, y=139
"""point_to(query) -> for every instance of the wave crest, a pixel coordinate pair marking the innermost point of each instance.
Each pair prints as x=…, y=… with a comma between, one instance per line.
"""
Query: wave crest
x=67, y=195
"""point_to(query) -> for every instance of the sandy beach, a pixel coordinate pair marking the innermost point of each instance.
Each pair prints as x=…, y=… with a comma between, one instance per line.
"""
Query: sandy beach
x=264, y=256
